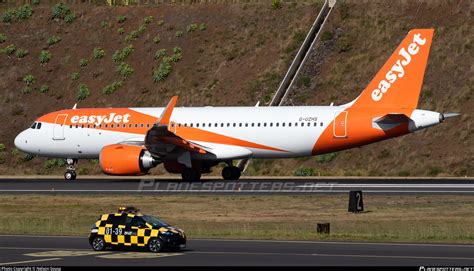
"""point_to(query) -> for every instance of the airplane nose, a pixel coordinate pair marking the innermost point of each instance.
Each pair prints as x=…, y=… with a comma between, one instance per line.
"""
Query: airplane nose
x=21, y=142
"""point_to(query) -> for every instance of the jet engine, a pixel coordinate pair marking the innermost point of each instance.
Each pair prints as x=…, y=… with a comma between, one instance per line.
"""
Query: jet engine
x=120, y=159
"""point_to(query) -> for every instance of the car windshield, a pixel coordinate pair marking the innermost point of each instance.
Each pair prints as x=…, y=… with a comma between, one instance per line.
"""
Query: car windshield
x=155, y=222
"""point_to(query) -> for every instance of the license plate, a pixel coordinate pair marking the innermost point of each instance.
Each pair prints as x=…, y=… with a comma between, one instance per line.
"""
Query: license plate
x=182, y=246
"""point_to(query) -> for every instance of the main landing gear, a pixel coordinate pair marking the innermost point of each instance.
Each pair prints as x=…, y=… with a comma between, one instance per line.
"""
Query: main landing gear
x=231, y=173
x=70, y=174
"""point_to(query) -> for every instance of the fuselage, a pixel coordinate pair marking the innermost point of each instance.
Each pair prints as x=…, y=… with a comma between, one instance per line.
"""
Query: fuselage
x=267, y=132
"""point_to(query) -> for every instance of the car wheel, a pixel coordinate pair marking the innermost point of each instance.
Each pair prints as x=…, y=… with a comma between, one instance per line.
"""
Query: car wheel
x=98, y=243
x=155, y=245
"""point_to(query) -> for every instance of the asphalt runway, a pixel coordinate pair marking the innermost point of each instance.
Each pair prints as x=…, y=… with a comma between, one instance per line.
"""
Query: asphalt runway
x=61, y=251
x=244, y=186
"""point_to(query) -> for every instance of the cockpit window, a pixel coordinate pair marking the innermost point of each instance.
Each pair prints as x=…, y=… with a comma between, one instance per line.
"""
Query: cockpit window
x=33, y=126
x=38, y=126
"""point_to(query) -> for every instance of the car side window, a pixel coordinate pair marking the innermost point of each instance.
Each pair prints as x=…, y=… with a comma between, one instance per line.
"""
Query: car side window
x=116, y=220
x=137, y=222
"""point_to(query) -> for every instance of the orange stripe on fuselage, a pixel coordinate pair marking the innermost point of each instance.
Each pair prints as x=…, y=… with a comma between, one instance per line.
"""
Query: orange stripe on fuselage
x=195, y=134
x=126, y=116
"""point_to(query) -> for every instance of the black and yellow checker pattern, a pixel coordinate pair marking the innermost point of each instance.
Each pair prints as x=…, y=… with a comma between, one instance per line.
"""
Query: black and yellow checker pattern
x=123, y=234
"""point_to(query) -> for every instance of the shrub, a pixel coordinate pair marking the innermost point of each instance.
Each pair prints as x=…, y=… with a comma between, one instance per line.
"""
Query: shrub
x=21, y=53
x=3, y=38
x=45, y=56
x=24, y=12
x=162, y=72
x=29, y=79
x=26, y=90
x=121, y=30
x=148, y=19
x=304, y=172
x=104, y=24
x=8, y=15
x=44, y=89
x=121, y=55
x=82, y=92
x=141, y=29
x=124, y=69
x=177, y=54
x=161, y=22
x=75, y=76
x=325, y=158
x=202, y=27
x=2, y=147
x=60, y=11
x=27, y=157
x=70, y=18
x=179, y=34
x=112, y=87
x=98, y=53
x=160, y=53
x=191, y=27
x=343, y=44
x=10, y=49
x=276, y=4
x=56, y=162
x=35, y=2
x=304, y=81
x=53, y=40
x=121, y=19
x=83, y=62
x=156, y=39
x=327, y=35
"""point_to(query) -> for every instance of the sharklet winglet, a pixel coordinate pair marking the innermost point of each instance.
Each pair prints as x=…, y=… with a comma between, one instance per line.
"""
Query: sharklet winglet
x=166, y=115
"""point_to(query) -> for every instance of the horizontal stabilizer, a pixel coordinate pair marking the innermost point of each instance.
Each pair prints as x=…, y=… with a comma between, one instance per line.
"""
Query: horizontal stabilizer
x=389, y=121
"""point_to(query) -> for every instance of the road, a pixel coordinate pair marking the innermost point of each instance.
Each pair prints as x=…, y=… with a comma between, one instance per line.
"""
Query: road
x=244, y=186
x=60, y=251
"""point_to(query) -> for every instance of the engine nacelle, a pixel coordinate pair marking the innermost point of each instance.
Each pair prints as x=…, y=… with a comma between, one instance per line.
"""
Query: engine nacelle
x=119, y=159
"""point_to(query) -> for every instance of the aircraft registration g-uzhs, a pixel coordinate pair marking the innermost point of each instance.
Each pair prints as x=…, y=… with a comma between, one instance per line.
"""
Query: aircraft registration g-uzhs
x=190, y=141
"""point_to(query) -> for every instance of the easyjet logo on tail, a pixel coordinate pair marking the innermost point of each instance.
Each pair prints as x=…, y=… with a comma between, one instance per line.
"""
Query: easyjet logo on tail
x=98, y=120
x=398, y=69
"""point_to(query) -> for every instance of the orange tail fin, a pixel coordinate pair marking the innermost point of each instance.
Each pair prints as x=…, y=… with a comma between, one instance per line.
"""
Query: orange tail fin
x=398, y=83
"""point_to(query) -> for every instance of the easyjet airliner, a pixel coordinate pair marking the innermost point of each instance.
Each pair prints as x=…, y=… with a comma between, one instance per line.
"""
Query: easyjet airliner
x=190, y=141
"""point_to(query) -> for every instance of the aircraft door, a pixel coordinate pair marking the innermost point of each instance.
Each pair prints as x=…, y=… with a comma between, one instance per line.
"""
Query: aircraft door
x=58, y=130
x=340, y=125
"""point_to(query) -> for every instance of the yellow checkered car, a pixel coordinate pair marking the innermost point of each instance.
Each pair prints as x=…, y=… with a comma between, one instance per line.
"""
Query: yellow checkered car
x=128, y=228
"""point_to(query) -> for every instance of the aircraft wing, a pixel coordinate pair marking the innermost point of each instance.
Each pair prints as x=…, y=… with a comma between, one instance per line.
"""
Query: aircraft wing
x=160, y=141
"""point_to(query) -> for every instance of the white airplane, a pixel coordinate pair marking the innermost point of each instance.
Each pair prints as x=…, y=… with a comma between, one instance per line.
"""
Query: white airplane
x=190, y=141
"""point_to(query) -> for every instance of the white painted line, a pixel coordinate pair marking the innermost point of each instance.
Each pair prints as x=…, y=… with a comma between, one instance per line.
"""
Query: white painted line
x=335, y=185
x=31, y=261
x=234, y=191
x=43, y=248
x=336, y=243
x=331, y=255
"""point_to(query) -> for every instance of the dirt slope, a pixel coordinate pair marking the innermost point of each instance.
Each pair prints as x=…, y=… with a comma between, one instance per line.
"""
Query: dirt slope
x=238, y=59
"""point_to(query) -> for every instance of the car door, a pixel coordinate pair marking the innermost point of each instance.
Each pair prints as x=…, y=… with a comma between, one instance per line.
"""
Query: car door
x=138, y=231
x=114, y=230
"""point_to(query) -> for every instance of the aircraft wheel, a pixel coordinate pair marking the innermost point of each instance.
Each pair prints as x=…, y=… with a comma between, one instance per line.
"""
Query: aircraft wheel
x=231, y=173
x=70, y=175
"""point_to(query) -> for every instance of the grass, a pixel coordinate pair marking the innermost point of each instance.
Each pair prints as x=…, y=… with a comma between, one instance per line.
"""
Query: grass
x=388, y=218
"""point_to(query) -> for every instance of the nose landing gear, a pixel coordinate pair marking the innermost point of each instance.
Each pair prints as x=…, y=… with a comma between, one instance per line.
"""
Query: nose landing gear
x=70, y=173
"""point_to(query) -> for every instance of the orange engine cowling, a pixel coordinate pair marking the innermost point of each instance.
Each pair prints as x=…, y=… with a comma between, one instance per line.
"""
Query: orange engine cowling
x=118, y=159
